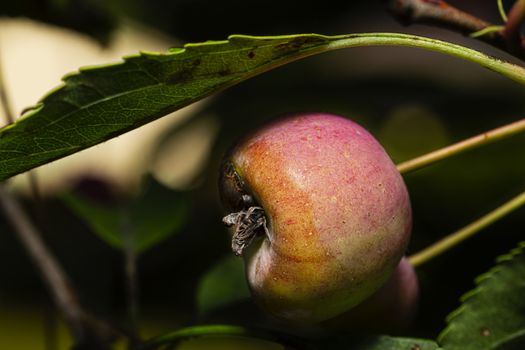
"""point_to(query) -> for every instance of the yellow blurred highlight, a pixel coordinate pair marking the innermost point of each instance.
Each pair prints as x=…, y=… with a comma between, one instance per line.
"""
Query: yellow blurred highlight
x=184, y=154
x=228, y=343
x=22, y=328
x=411, y=130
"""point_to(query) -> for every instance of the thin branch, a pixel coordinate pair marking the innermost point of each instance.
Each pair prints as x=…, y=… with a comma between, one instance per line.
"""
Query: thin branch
x=130, y=267
x=131, y=279
x=50, y=321
x=462, y=146
x=50, y=327
x=53, y=274
x=502, y=12
x=87, y=331
x=50, y=312
x=459, y=236
x=439, y=13
x=485, y=31
x=455, y=238
x=4, y=99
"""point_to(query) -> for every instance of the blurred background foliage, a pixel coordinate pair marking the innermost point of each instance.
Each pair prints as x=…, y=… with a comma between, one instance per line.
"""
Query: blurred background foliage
x=412, y=101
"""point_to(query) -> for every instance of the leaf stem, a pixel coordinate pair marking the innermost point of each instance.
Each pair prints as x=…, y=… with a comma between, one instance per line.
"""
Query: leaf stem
x=509, y=70
x=459, y=236
x=486, y=31
x=49, y=120
x=462, y=146
x=502, y=12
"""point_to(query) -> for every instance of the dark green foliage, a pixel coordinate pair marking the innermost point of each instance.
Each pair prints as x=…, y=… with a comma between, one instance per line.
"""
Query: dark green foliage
x=139, y=224
x=492, y=316
x=223, y=334
x=223, y=284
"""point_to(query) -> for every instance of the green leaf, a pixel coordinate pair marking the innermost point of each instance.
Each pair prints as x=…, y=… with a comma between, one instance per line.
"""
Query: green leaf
x=223, y=284
x=492, y=316
x=105, y=221
x=274, y=338
x=222, y=337
x=150, y=218
x=99, y=103
x=380, y=342
x=157, y=213
x=386, y=342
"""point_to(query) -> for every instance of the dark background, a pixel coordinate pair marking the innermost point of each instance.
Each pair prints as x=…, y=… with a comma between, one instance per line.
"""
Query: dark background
x=413, y=101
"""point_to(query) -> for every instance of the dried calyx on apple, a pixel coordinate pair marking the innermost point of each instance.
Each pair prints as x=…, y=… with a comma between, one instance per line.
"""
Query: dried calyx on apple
x=247, y=219
x=319, y=213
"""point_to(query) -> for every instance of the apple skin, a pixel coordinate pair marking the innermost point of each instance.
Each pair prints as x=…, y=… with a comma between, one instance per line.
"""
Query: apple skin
x=337, y=211
x=392, y=309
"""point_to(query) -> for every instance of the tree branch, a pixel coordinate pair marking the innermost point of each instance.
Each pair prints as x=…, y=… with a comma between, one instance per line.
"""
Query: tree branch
x=462, y=146
x=4, y=99
x=88, y=332
x=131, y=280
x=511, y=32
x=44, y=261
x=439, y=13
x=466, y=232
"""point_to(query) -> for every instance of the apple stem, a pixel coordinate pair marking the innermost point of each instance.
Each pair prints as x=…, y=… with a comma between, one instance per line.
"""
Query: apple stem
x=459, y=236
x=246, y=225
x=462, y=146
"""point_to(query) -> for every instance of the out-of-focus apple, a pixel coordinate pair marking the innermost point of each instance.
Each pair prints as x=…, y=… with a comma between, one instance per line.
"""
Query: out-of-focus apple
x=391, y=309
x=319, y=212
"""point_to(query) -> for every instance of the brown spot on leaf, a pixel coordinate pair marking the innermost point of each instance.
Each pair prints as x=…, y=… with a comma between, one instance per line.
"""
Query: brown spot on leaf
x=484, y=331
x=185, y=74
x=415, y=347
x=251, y=54
x=297, y=43
x=179, y=77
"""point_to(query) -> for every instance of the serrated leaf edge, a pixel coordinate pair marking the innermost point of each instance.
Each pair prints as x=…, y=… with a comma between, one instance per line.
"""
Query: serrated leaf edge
x=479, y=281
x=295, y=50
x=186, y=48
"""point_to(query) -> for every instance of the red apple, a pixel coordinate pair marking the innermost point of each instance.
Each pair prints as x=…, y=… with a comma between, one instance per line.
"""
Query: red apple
x=319, y=212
